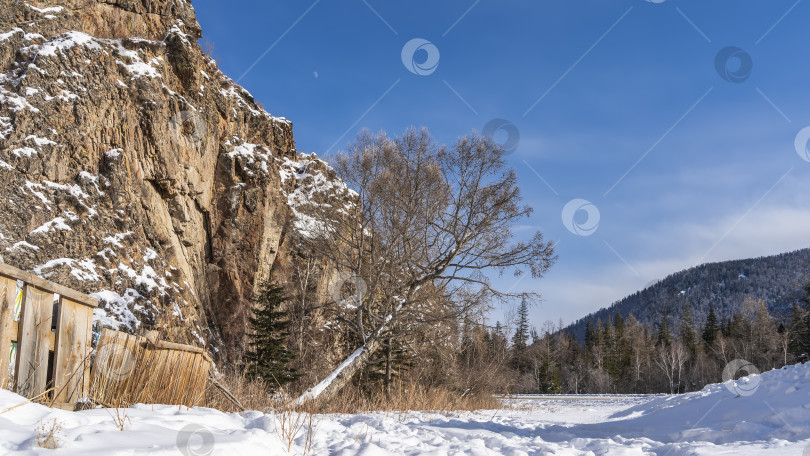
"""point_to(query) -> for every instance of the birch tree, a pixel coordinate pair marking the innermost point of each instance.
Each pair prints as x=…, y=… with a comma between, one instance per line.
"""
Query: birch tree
x=670, y=358
x=427, y=228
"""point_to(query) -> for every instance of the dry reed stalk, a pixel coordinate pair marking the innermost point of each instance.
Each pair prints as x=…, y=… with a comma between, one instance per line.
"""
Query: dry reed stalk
x=79, y=368
x=131, y=370
x=41, y=395
x=406, y=395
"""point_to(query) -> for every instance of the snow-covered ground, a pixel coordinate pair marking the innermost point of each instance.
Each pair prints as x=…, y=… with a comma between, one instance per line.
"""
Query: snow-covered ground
x=772, y=416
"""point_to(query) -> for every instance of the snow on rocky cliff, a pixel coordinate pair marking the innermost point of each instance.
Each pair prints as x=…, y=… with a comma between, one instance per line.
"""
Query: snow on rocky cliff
x=132, y=169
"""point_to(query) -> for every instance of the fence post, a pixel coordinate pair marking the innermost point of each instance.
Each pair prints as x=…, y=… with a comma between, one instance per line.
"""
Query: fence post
x=70, y=345
x=71, y=378
x=8, y=330
x=34, y=332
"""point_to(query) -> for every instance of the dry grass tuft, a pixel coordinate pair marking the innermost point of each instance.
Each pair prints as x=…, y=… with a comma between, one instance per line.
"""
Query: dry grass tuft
x=406, y=395
x=252, y=394
x=120, y=417
x=49, y=435
x=291, y=423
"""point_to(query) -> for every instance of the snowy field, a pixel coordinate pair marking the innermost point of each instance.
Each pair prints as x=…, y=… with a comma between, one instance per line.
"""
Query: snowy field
x=770, y=415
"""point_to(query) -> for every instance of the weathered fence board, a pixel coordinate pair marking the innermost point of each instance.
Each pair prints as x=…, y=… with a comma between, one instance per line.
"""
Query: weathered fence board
x=132, y=369
x=71, y=368
x=42, y=284
x=35, y=339
x=8, y=329
x=34, y=331
x=127, y=369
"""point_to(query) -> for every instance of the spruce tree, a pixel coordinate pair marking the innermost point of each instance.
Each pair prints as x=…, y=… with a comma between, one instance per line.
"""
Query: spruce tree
x=624, y=353
x=599, y=333
x=394, y=360
x=807, y=292
x=664, y=335
x=521, y=338
x=725, y=328
x=498, y=341
x=590, y=336
x=712, y=327
x=267, y=357
x=799, y=327
x=618, y=325
x=686, y=331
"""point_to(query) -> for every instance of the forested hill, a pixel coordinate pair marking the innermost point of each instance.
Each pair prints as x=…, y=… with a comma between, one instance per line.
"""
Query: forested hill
x=778, y=280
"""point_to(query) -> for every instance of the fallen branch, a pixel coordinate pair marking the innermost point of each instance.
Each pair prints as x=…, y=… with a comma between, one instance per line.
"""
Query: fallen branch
x=227, y=394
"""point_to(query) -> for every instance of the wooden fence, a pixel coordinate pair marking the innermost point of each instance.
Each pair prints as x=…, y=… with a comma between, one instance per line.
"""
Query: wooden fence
x=40, y=357
x=46, y=343
x=131, y=369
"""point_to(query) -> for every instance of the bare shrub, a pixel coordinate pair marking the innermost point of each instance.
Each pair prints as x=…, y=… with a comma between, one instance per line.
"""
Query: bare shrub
x=49, y=435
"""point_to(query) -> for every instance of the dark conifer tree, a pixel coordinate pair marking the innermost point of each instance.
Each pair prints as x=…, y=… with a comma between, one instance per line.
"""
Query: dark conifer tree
x=498, y=341
x=624, y=352
x=725, y=328
x=799, y=327
x=267, y=357
x=521, y=338
x=590, y=337
x=664, y=334
x=520, y=341
x=712, y=327
x=807, y=292
x=686, y=331
x=599, y=332
x=618, y=325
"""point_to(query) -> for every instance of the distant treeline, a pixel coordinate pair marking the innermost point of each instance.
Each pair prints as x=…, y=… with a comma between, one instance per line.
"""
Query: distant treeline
x=623, y=355
x=776, y=280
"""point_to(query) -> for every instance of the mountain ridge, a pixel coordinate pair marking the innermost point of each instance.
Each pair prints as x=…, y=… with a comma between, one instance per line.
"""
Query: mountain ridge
x=776, y=279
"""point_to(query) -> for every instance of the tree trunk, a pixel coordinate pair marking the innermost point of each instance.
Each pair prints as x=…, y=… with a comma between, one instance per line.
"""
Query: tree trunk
x=388, y=362
x=344, y=373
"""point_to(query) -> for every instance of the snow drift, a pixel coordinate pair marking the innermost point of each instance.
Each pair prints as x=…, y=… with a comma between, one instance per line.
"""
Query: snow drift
x=774, y=419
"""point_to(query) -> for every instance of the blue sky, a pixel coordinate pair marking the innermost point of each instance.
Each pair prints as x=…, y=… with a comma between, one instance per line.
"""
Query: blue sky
x=620, y=104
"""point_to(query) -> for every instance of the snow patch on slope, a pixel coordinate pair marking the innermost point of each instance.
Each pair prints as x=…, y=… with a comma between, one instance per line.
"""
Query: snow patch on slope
x=59, y=223
x=10, y=33
x=48, y=10
x=83, y=270
x=67, y=41
x=250, y=154
x=114, y=310
x=304, y=188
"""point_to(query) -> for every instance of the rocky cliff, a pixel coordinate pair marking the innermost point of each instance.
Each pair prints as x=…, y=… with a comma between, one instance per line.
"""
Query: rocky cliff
x=131, y=168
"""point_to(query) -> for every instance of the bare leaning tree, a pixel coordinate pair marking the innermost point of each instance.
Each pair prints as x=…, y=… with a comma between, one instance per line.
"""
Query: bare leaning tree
x=428, y=226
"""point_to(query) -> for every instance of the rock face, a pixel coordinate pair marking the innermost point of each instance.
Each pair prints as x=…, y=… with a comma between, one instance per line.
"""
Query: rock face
x=131, y=168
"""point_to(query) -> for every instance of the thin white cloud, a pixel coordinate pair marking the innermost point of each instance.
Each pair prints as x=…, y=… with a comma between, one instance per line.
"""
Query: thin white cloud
x=765, y=231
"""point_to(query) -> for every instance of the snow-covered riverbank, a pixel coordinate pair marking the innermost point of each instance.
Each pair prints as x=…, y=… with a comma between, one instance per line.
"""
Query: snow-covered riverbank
x=775, y=419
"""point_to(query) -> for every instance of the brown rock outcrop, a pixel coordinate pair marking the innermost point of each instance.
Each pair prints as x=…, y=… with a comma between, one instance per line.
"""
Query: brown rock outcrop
x=132, y=168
